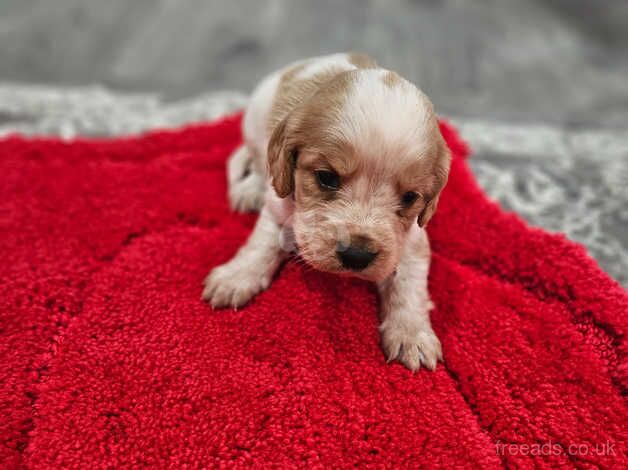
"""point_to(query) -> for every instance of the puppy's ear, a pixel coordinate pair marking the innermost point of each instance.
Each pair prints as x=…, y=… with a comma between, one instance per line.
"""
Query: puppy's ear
x=440, y=173
x=281, y=160
x=427, y=212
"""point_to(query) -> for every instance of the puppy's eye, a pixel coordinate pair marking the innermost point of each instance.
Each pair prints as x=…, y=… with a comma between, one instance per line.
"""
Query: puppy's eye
x=328, y=180
x=408, y=198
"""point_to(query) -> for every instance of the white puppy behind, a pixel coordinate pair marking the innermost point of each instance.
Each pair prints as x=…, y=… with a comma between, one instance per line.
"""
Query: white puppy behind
x=346, y=162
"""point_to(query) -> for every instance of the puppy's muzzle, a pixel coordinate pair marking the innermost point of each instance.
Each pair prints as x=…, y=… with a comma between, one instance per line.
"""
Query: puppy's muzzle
x=355, y=258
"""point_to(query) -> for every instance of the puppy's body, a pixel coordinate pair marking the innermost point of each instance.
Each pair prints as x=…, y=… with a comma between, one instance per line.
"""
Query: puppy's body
x=343, y=158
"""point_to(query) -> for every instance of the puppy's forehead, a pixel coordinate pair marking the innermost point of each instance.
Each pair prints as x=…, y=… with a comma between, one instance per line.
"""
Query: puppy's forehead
x=385, y=116
x=371, y=120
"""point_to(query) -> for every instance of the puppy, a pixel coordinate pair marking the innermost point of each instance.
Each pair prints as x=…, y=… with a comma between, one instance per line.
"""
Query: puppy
x=346, y=162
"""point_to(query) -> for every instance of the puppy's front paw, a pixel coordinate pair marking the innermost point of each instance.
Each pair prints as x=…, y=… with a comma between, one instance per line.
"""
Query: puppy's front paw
x=232, y=285
x=410, y=346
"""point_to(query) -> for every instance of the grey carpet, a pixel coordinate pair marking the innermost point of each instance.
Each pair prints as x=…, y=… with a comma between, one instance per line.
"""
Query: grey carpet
x=563, y=62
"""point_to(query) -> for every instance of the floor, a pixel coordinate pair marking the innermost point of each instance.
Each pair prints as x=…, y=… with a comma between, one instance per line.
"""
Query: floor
x=539, y=88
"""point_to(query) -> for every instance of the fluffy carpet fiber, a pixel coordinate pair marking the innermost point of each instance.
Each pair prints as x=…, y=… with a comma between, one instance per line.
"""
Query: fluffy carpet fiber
x=108, y=359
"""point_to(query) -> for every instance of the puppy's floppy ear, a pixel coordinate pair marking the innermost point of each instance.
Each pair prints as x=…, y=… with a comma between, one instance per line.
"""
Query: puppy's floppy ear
x=440, y=173
x=281, y=160
x=427, y=212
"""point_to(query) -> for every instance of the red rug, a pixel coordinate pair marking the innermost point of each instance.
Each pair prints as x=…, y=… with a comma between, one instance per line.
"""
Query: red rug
x=108, y=359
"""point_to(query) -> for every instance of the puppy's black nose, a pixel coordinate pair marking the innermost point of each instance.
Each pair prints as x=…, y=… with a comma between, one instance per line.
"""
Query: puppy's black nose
x=355, y=258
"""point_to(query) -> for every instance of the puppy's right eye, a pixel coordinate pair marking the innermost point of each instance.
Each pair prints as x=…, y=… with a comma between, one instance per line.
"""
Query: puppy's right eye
x=327, y=180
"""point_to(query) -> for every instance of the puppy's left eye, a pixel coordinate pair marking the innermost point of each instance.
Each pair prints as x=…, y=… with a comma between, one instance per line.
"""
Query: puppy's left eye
x=328, y=180
x=408, y=198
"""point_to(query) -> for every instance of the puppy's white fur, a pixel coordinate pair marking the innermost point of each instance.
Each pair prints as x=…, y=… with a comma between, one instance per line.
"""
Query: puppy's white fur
x=380, y=134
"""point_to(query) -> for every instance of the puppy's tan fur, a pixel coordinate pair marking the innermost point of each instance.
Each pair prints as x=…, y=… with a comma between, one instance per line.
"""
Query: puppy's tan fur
x=380, y=135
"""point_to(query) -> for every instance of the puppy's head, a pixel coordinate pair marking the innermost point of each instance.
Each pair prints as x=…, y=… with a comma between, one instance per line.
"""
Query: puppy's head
x=364, y=160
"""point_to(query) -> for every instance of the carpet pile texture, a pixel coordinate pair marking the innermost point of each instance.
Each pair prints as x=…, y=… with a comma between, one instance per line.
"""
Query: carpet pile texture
x=108, y=359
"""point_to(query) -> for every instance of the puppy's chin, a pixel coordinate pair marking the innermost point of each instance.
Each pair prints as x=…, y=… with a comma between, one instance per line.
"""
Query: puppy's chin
x=372, y=275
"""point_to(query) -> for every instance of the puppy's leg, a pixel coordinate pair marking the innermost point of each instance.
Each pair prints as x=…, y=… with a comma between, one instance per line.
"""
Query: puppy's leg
x=406, y=331
x=250, y=270
x=246, y=181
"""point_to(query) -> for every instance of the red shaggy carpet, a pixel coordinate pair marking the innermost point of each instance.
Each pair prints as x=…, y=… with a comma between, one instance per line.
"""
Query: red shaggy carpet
x=108, y=359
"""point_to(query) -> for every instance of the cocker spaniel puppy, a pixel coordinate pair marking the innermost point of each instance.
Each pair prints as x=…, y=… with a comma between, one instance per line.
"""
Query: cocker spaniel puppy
x=346, y=162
